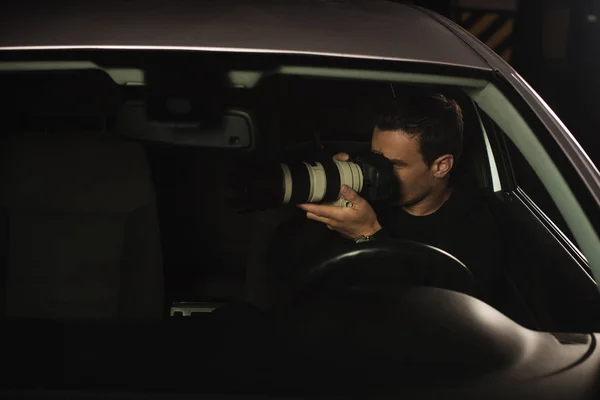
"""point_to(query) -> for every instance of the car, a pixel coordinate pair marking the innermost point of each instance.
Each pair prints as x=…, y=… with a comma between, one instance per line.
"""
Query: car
x=125, y=257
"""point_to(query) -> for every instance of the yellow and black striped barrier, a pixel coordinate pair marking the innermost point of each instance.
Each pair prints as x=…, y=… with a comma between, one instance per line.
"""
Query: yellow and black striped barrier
x=494, y=28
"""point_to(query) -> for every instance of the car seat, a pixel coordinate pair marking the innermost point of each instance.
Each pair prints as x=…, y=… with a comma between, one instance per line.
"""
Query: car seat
x=82, y=237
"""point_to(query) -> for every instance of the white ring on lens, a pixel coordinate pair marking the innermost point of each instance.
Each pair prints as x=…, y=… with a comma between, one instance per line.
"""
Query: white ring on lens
x=357, y=177
x=345, y=173
x=350, y=174
x=287, y=183
x=318, y=182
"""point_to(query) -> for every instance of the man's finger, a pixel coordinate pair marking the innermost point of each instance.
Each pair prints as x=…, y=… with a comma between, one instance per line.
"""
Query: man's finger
x=331, y=228
x=331, y=212
x=351, y=195
x=318, y=218
x=341, y=157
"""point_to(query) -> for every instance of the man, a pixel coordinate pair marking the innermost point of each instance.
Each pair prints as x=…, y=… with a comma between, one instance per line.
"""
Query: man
x=423, y=138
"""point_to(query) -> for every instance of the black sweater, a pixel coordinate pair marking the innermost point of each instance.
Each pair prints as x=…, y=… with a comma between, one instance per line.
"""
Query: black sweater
x=463, y=226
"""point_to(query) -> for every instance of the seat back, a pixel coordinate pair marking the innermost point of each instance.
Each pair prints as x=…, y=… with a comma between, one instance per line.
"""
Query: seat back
x=83, y=237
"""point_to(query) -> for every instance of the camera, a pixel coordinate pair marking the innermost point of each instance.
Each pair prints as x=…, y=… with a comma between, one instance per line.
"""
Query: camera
x=263, y=186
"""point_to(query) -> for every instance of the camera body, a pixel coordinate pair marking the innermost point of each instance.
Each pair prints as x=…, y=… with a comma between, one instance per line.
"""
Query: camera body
x=268, y=186
x=381, y=183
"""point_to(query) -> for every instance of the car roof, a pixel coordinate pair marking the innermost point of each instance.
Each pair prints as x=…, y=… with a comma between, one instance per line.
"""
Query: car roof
x=365, y=29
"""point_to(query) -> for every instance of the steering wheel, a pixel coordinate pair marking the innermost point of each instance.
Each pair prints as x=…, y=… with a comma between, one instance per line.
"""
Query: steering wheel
x=375, y=264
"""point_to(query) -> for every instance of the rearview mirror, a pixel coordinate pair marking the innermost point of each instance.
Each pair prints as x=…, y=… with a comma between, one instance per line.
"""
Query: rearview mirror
x=235, y=130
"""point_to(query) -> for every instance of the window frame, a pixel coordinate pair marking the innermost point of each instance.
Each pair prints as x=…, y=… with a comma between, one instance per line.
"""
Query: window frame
x=511, y=189
x=497, y=179
x=526, y=126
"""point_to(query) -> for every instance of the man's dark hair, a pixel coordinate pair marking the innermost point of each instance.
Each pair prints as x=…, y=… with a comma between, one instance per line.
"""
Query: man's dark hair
x=436, y=120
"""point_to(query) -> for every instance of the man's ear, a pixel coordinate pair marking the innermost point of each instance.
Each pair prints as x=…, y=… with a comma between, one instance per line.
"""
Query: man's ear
x=442, y=166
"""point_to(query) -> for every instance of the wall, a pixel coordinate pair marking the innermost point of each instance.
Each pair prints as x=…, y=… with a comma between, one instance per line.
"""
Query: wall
x=492, y=21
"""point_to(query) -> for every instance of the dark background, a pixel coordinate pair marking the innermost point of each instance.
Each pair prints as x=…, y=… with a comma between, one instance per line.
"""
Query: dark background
x=555, y=46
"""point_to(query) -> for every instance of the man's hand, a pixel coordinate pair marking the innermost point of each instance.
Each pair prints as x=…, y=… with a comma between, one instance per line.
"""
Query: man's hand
x=352, y=222
x=341, y=157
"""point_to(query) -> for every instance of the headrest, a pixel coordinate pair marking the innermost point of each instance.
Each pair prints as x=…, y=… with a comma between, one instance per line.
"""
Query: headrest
x=73, y=172
x=78, y=93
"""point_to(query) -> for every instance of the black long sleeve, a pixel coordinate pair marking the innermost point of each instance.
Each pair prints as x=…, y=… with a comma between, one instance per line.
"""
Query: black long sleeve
x=463, y=227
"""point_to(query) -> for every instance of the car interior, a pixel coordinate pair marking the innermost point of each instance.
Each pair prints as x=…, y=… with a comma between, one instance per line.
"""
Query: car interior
x=173, y=218
x=109, y=215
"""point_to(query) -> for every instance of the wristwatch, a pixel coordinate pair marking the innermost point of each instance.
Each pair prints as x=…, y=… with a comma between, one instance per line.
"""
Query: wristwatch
x=364, y=239
x=369, y=238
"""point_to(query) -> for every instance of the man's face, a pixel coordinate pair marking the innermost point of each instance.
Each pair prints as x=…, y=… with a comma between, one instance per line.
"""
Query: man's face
x=417, y=180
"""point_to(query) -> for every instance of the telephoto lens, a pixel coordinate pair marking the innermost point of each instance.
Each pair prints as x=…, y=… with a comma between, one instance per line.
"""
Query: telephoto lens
x=271, y=185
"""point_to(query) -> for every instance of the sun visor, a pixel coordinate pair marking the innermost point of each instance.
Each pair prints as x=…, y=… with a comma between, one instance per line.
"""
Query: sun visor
x=235, y=131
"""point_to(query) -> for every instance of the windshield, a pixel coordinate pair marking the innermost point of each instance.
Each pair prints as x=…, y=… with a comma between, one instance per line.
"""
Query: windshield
x=183, y=186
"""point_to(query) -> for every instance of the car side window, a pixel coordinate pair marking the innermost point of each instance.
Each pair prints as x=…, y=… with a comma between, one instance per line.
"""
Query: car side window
x=526, y=180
